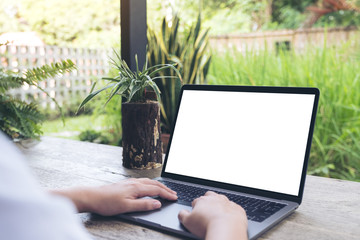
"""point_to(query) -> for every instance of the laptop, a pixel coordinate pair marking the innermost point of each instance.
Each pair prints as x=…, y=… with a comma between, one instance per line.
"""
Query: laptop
x=250, y=143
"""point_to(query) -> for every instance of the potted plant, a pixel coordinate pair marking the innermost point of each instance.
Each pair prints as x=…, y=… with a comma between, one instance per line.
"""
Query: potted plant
x=142, y=148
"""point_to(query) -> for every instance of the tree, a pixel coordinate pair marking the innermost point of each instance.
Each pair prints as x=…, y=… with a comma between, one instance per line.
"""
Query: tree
x=81, y=23
x=289, y=14
x=328, y=6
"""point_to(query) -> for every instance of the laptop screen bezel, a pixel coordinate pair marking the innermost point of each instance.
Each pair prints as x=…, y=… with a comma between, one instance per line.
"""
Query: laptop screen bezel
x=243, y=189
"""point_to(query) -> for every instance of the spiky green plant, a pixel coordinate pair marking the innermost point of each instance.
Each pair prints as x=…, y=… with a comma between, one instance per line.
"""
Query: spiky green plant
x=132, y=85
x=189, y=51
x=19, y=119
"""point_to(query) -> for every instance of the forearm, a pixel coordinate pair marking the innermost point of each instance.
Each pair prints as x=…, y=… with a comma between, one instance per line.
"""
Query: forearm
x=79, y=196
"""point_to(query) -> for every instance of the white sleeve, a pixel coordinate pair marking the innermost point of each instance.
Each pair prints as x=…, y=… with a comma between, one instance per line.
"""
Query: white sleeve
x=28, y=212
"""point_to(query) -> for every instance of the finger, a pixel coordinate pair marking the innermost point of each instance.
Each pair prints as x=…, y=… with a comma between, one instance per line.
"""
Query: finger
x=148, y=181
x=193, y=203
x=210, y=193
x=216, y=195
x=151, y=191
x=136, y=205
x=223, y=197
x=156, y=183
x=196, y=200
x=183, y=216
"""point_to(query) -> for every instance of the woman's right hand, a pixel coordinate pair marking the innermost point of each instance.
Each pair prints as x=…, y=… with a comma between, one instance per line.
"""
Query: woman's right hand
x=214, y=216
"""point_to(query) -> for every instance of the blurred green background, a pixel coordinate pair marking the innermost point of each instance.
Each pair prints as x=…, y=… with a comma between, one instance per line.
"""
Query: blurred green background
x=334, y=69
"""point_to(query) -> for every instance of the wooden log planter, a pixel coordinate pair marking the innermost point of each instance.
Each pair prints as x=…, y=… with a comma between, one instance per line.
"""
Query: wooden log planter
x=142, y=148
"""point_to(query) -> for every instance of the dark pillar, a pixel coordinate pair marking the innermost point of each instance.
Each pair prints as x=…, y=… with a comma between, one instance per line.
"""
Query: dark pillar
x=133, y=32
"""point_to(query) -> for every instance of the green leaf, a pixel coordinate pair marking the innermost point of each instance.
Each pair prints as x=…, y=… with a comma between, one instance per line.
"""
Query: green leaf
x=197, y=27
x=114, y=91
x=111, y=79
x=137, y=65
x=93, y=87
x=155, y=88
x=133, y=90
x=92, y=95
x=47, y=71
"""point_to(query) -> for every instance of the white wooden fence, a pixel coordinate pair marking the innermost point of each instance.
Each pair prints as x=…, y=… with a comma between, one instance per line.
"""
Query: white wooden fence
x=298, y=39
x=91, y=64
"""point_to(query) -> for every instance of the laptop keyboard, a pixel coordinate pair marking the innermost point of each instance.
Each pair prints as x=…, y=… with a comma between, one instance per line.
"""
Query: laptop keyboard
x=256, y=209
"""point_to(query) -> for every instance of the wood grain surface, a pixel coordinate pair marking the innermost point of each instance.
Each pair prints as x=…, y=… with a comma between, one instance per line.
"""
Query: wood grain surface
x=330, y=207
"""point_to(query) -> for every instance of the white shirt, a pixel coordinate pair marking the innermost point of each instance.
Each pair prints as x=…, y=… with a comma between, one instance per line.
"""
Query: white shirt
x=28, y=212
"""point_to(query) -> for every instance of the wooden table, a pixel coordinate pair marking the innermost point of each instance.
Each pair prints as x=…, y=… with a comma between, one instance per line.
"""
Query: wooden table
x=330, y=207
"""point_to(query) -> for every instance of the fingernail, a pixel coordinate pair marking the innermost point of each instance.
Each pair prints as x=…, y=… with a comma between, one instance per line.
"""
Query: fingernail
x=157, y=204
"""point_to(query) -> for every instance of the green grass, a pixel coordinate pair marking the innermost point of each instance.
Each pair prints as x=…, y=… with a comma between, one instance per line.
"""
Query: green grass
x=73, y=126
x=335, y=71
x=105, y=120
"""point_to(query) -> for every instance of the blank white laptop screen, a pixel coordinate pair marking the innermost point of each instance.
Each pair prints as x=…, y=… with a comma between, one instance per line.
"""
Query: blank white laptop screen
x=256, y=140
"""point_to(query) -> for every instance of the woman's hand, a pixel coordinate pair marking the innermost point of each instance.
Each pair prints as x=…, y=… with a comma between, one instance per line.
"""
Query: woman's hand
x=121, y=197
x=214, y=216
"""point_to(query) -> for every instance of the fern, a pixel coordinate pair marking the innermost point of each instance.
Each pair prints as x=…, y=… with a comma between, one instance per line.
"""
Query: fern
x=9, y=81
x=49, y=71
x=19, y=119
